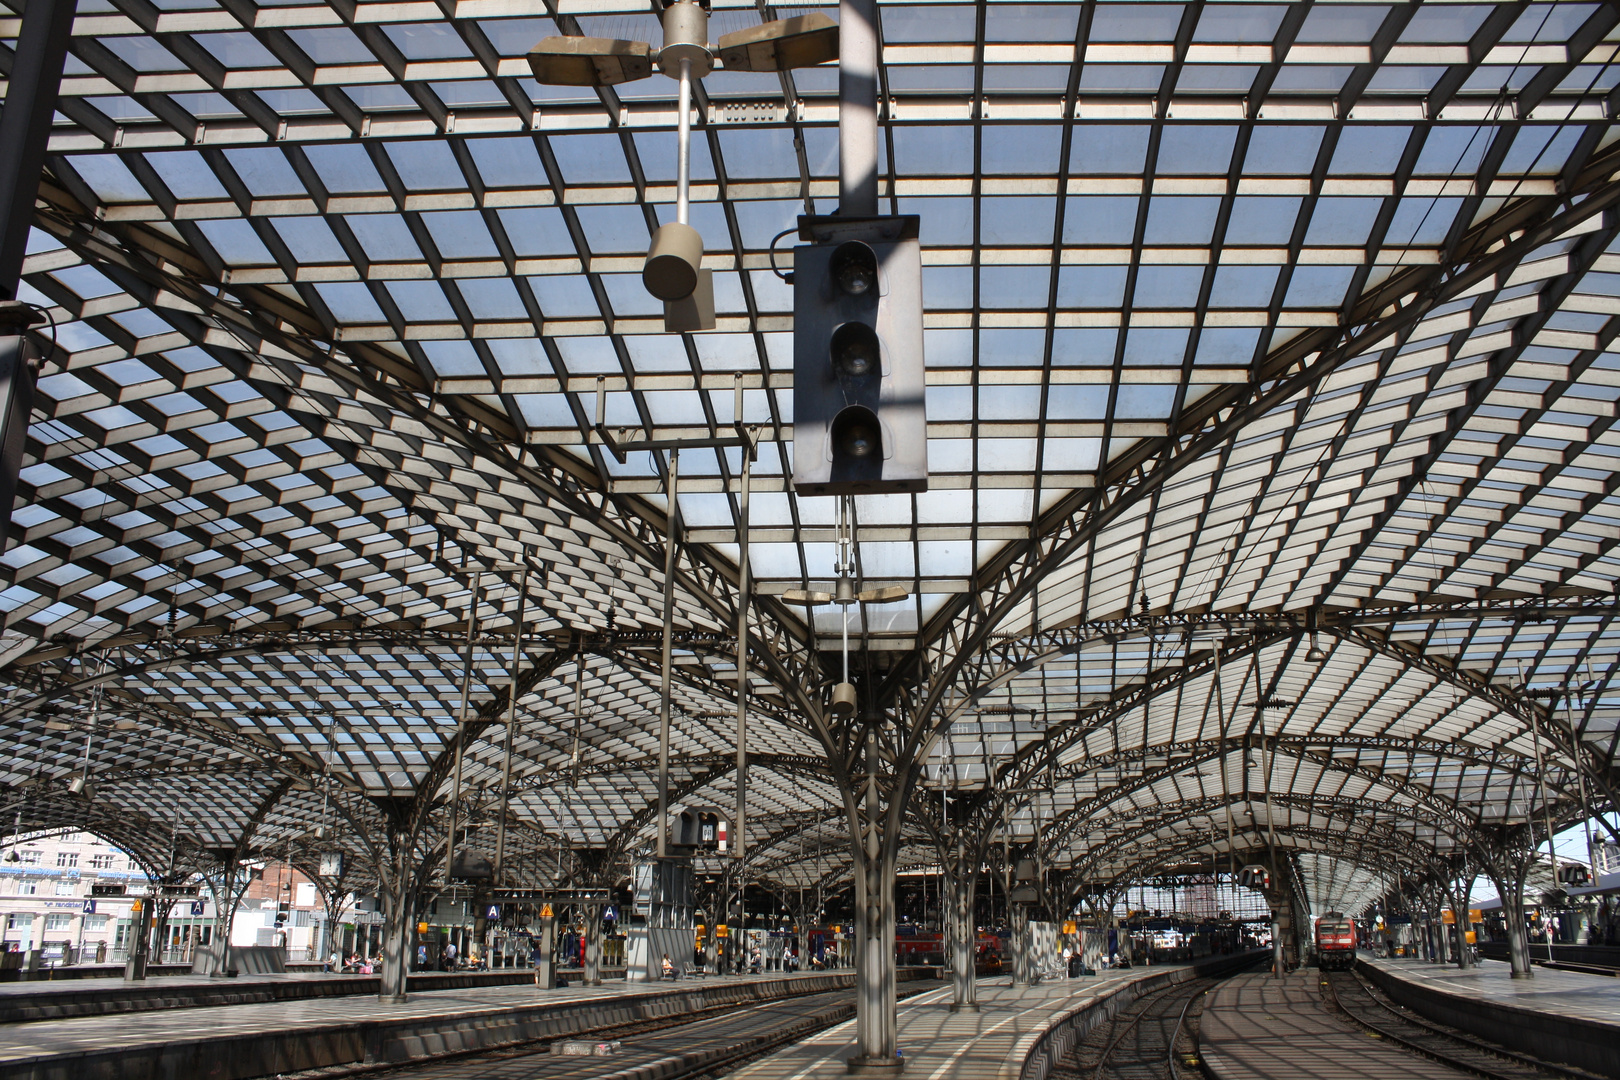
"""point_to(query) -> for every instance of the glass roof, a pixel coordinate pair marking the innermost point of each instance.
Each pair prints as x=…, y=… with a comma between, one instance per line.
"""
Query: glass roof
x=1233, y=310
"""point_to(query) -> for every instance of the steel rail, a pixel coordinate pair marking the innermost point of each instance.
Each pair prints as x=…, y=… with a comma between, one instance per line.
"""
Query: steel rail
x=1172, y=1068
x=1437, y=1043
x=1148, y=1002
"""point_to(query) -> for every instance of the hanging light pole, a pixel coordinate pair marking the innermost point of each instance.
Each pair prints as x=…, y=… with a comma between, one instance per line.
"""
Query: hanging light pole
x=672, y=490
x=673, y=271
x=511, y=724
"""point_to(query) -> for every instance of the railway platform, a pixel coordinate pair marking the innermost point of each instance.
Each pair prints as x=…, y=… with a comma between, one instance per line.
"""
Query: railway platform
x=24, y=1002
x=1017, y=1034
x=1562, y=1016
x=266, y=1038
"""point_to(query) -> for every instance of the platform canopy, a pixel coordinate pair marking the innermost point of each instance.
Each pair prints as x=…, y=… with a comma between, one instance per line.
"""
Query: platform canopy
x=1272, y=435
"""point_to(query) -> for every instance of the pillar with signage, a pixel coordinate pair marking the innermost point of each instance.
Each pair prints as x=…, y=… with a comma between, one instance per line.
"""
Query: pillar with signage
x=546, y=952
x=140, y=937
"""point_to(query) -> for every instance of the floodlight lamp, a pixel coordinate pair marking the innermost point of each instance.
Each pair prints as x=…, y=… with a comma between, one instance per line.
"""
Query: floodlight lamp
x=1315, y=654
x=673, y=262
x=843, y=700
x=588, y=61
x=803, y=41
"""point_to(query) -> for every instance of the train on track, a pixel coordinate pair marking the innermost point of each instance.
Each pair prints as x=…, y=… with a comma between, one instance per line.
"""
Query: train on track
x=1335, y=942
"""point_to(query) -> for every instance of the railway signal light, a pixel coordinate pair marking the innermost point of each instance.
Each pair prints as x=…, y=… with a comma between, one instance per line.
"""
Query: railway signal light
x=859, y=422
x=1574, y=875
x=704, y=829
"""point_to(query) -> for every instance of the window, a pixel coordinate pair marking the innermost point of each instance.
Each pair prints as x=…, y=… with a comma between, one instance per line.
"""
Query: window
x=30, y=856
x=27, y=888
x=17, y=922
x=58, y=920
x=94, y=924
x=64, y=888
x=66, y=859
x=101, y=862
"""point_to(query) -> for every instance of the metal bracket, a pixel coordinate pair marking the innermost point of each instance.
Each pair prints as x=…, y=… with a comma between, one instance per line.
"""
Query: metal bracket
x=747, y=437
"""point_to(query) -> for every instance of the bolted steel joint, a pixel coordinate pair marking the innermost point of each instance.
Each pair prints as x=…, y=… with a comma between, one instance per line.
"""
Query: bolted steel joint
x=686, y=37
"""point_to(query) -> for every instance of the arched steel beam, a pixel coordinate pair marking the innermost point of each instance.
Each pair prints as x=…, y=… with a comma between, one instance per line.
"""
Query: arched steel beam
x=956, y=633
x=1008, y=658
x=1031, y=759
x=1303, y=750
x=1360, y=816
x=1374, y=850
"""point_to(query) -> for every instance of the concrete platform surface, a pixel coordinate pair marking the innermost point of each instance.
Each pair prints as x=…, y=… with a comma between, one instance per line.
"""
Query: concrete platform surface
x=25, y=1002
x=993, y=1044
x=1560, y=993
x=1259, y=1028
x=287, y=1035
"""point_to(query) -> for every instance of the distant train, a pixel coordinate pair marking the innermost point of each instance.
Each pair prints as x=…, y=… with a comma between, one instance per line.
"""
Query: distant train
x=1335, y=942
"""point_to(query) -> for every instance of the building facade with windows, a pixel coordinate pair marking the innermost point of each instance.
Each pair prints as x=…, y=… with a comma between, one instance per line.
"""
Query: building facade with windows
x=45, y=896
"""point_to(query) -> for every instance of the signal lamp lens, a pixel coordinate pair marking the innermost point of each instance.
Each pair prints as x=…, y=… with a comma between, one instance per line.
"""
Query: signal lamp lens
x=854, y=268
x=855, y=350
x=857, y=436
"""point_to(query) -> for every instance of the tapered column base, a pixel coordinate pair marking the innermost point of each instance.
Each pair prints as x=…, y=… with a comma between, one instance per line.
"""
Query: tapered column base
x=862, y=1065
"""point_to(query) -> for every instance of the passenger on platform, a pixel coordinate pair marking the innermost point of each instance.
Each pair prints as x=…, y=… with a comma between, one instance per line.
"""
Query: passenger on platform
x=668, y=968
x=449, y=956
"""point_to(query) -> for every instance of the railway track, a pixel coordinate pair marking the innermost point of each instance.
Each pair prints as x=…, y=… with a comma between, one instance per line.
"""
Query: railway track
x=690, y=1046
x=1147, y=1040
x=1347, y=992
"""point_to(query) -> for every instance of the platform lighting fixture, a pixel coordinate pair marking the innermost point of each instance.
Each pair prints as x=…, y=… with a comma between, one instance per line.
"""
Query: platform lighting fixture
x=673, y=271
x=1315, y=654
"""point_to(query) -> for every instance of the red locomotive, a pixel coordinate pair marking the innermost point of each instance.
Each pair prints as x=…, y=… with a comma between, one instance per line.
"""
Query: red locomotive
x=1335, y=942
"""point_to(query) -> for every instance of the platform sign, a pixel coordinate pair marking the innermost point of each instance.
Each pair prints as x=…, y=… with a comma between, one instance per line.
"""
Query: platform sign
x=89, y=907
x=493, y=913
x=1448, y=917
x=197, y=907
x=611, y=914
x=1476, y=915
x=108, y=890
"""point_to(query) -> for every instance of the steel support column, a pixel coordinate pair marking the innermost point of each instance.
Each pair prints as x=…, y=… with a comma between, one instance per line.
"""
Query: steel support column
x=593, y=946
x=1022, y=975
x=25, y=126
x=874, y=850
x=961, y=931
x=25, y=130
x=857, y=108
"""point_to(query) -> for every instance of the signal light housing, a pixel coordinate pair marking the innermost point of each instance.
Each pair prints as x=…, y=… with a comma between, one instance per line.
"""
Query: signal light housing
x=1255, y=877
x=859, y=421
